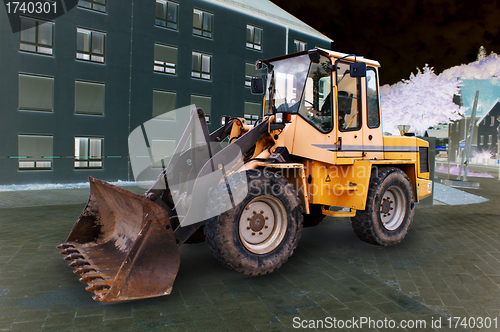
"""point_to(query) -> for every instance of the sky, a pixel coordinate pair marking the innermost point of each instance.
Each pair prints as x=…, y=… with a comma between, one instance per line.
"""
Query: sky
x=404, y=35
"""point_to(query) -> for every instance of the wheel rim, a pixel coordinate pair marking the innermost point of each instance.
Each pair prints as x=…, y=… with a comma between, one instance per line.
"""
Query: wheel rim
x=263, y=224
x=393, y=208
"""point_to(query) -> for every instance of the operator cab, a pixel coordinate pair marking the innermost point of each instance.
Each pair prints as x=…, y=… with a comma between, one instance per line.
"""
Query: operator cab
x=328, y=90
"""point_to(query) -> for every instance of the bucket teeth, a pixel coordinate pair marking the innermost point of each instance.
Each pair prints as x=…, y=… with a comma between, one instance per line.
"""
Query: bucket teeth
x=64, y=246
x=97, y=287
x=78, y=263
x=90, y=277
x=98, y=297
x=69, y=251
x=83, y=270
x=72, y=257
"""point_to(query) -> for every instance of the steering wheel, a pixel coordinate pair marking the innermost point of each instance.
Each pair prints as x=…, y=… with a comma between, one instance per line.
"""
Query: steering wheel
x=309, y=108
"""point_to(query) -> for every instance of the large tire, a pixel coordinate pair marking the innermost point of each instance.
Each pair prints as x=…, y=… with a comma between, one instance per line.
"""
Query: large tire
x=258, y=235
x=315, y=217
x=389, y=208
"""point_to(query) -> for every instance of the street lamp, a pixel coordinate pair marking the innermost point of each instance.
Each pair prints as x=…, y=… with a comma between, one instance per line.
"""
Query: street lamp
x=403, y=129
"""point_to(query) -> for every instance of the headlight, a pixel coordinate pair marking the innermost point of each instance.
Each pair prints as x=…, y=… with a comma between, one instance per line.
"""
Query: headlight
x=429, y=187
x=278, y=118
x=224, y=119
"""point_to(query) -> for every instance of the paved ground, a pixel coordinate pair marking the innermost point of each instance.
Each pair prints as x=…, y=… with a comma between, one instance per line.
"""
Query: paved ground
x=448, y=265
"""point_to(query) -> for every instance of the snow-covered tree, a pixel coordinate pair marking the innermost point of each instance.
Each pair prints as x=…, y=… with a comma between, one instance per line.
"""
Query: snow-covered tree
x=422, y=101
x=483, y=69
x=426, y=99
x=481, y=54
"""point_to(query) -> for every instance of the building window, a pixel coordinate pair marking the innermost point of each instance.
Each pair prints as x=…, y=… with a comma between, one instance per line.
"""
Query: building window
x=88, y=152
x=36, y=36
x=299, y=45
x=492, y=123
x=89, y=98
x=254, y=38
x=166, y=14
x=250, y=72
x=163, y=104
x=490, y=139
x=36, y=93
x=253, y=111
x=202, y=66
x=162, y=150
x=202, y=23
x=165, y=59
x=203, y=102
x=97, y=5
x=35, y=152
x=90, y=45
x=481, y=140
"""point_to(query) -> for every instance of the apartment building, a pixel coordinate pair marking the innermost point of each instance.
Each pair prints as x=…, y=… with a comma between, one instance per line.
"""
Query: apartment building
x=74, y=88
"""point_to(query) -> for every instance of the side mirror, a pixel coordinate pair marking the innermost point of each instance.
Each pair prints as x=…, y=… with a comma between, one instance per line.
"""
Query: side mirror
x=257, y=86
x=314, y=55
x=358, y=69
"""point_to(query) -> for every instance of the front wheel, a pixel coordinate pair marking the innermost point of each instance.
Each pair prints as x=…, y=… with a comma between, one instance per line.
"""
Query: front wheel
x=389, y=208
x=260, y=233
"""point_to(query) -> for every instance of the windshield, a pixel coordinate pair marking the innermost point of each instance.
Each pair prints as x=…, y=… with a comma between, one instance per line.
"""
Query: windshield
x=316, y=105
x=288, y=77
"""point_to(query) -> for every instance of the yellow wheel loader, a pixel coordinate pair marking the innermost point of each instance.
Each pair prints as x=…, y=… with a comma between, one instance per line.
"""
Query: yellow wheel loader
x=249, y=189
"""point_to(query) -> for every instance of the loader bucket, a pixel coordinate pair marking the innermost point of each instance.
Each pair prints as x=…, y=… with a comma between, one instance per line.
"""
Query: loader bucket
x=123, y=245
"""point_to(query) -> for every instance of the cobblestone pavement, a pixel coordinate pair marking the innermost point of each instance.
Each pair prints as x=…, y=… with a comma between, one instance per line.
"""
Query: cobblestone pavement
x=448, y=265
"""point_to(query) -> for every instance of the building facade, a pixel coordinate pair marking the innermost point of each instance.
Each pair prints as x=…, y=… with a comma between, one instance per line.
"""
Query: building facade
x=74, y=88
x=489, y=129
x=489, y=92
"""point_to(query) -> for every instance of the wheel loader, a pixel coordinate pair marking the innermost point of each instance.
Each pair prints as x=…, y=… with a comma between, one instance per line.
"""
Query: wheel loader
x=248, y=189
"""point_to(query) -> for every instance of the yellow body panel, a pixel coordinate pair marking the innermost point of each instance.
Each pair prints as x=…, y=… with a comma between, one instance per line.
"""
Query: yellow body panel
x=307, y=143
x=424, y=188
x=338, y=185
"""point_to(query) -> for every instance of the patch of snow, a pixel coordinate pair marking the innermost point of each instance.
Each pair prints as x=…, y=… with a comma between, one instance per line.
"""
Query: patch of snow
x=452, y=196
x=455, y=169
x=49, y=186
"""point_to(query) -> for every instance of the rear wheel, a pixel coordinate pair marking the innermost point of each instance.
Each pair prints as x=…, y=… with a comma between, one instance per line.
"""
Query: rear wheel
x=259, y=234
x=389, y=208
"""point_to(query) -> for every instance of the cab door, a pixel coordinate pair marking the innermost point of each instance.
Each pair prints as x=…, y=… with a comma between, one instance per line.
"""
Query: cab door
x=349, y=113
x=314, y=133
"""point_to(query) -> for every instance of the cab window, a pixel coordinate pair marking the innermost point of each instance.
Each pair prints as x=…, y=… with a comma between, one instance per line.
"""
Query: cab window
x=372, y=108
x=349, y=92
x=316, y=105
